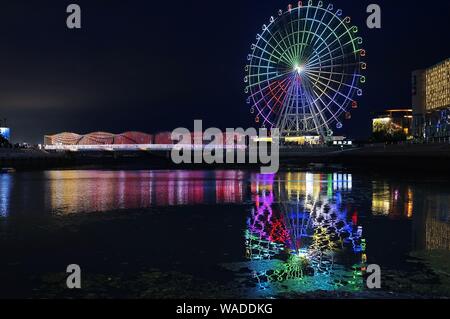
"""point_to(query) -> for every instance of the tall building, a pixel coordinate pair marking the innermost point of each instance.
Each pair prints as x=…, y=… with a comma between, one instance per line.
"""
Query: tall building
x=431, y=101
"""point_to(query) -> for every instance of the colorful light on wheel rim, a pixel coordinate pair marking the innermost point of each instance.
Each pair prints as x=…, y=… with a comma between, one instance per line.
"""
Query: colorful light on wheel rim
x=304, y=71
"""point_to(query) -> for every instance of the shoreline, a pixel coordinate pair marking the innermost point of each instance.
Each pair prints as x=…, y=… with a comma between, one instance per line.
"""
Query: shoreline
x=423, y=157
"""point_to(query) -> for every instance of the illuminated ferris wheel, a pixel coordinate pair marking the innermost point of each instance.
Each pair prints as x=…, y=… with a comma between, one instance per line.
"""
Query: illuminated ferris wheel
x=304, y=72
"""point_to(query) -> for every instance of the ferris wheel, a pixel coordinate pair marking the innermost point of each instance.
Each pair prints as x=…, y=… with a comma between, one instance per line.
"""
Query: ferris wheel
x=304, y=72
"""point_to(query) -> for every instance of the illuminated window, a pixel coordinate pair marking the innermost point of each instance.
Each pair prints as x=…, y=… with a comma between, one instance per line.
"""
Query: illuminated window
x=438, y=86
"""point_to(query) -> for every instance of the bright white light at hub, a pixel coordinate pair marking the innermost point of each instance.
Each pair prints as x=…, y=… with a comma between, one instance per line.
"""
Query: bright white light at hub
x=299, y=68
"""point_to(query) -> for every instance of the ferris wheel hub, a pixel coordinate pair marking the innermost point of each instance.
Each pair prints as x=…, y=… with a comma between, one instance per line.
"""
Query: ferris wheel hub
x=299, y=68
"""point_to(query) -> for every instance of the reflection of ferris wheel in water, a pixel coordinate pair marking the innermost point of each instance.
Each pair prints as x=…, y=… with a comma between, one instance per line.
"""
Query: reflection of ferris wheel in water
x=304, y=71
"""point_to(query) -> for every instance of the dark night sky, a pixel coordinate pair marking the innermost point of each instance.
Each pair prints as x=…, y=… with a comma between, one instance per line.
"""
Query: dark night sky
x=153, y=66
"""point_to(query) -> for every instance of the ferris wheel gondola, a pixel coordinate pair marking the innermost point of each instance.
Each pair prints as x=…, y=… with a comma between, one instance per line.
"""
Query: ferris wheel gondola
x=304, y=72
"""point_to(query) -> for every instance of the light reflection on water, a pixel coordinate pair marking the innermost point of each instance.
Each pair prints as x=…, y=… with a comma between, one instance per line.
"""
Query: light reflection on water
x=72, y=192
x=100, y=191
x=305, y=230
x=393, y=200
x=5, y=190
x=302, y=236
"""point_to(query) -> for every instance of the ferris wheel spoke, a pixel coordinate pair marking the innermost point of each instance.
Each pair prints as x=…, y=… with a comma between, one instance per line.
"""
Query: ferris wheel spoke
x=326, y=105
x=279, y=88
x=330, y=56
x=267, y=104
x=332, y=89
x=267, y=87
x=285, y=108
x=313, y=107
x=266, y=119
x=306, y=42
x=304, y=31
x=263, y=74
x=262, y=59
x=334, y=63
x=279, y=58
x=285, y=36
x=319, y=24
x=333, y=115
x=283, y=48
x=331, y=32
x=294, y=41
x=351, y=41
x=318, y=57
x=334, y=31
x=295, y=37
x=268, y=70
x=345, y=55
x=308, y=71
x=268, y=42
x=319, y=67
x=260, y=113
x=299, y=44
x=341, y=83
x=332, y=80
x=290, y=51
x=321, y=112
x=266, y=80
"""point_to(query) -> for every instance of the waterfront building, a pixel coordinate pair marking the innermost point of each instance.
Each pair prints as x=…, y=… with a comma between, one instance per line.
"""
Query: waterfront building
x=393, y=124
x=132, y=138
x=98, y=138
x=431, y=101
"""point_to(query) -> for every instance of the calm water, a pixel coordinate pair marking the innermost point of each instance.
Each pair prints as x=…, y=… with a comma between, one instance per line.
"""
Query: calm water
x=295, y=232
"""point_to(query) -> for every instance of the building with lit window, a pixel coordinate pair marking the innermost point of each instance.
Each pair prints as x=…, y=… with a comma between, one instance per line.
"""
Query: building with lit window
x=392, y=125
x=98, y=138
x=108, y=141
x=431, y=101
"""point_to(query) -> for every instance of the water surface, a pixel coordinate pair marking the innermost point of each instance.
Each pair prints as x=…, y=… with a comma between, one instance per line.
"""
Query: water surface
x=297, y=233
